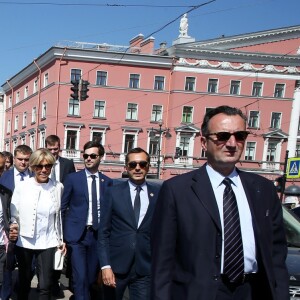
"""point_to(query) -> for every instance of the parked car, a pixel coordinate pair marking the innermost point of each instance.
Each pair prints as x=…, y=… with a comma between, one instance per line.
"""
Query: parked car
x=292, y=226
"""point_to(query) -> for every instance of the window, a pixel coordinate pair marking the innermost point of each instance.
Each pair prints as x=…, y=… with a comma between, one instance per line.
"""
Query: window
x=250, y=151
x=9, y=101
x=71, y=139
x=279, y=90
x=271, y=152
x=24, y=122
x=187, y=114
x=253, y=121
x=156, y=114
x=153, y=146
x=134, y=81
x=74, y=107
x=297, y=152
x=33, y=116
x=26, y=92
x=99, y=111
x=8, y=126
x=235, y=87
x=32, y=141
x=101, y=78
x=16, y=122
x=190, y=83
x=212, y=85
x=159, y=83
x=131, y=111
x=129, y=142
x=35, y=86
x=46, y=78
x=257, y=89
x=184, y=145
x=42, y=138
x=23, y=140
x=275, y=120
x=44, y=110
x=75, y=74
x=18, y=97
x=97, y=137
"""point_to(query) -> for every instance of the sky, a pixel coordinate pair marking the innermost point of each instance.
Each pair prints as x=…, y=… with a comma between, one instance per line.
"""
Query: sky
x=31, y=27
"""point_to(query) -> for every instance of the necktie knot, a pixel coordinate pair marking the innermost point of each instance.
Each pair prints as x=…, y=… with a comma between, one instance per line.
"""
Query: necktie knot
x=227, y=181
x=22, y=175
x=93, y=177
x=138, y=188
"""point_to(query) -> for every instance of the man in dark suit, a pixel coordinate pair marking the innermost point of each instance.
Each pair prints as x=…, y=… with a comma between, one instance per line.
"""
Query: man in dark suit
x=2, y=163
x=63, y=166
x=80, y=207
x=218, y=232
x=20, y=170
x=59, y=172
x=124, y=235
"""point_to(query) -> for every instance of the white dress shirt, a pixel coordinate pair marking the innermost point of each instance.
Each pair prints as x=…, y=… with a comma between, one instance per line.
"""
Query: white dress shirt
x=216, y=180
x=89, y=183
x=17, y=176
x=143, y=196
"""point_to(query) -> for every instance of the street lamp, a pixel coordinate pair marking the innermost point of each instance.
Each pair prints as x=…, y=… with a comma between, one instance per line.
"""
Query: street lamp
x=153, y=133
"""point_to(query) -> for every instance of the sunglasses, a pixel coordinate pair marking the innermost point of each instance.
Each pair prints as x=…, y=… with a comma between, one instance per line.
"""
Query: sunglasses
x=224, y=136
x=40, y=167
x=92, y=156
x=132, y=165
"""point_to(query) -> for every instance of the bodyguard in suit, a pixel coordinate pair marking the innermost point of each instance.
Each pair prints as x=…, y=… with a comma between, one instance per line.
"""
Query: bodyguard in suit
x=218, y=232
x=60, y=170
x=80, y=208
x=124, y=235
x=63, y=166
x=20, y=170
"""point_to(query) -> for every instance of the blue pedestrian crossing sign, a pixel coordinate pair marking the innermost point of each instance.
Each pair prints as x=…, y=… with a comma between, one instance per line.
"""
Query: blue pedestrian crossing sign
x=293, y=168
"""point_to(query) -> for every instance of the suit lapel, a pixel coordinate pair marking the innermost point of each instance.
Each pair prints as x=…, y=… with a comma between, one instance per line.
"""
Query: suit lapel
x=125, y=190
x=204, y=192
x=152, y=196
x=61, y=169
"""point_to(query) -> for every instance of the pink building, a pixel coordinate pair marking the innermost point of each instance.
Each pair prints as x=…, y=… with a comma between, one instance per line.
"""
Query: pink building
x=156, y=99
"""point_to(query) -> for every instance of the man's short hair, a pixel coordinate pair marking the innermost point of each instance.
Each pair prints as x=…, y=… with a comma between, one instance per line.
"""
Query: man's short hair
x=136, y=150
x=24, y=149
x=94, y=144
x=52, y=139
x=224, y=109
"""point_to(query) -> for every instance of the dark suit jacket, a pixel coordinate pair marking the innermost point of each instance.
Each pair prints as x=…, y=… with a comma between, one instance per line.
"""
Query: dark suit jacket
x=187, y=237
x=66, y=167
x=8, y=180
x=75, y=204
x=5, y=195
x=120, y=241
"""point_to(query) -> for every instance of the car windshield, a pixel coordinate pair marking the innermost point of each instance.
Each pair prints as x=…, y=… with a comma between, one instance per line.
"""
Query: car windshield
x=292, y=228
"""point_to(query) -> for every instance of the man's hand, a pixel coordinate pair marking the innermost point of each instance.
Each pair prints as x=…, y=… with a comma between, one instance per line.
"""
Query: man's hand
x=13, y=232
x=108, y=277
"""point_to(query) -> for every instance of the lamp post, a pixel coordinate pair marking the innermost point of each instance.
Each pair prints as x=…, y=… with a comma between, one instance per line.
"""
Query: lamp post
x=160, y=132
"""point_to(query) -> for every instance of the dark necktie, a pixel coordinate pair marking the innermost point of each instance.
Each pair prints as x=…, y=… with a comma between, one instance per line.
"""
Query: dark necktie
x=53, y=174
x=22, y=175
x=233, y=244
x=94, y=203
x=137, y=204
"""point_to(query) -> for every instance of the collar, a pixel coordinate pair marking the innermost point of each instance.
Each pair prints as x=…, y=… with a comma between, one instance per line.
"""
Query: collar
x=216, y=178
x=89, y=174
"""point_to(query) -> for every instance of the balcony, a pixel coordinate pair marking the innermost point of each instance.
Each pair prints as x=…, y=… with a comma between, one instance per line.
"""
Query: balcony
x=271, y=165
x=71, y=154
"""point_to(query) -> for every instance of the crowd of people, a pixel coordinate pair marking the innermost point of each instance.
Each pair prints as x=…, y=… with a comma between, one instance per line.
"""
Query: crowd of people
x=214, y=233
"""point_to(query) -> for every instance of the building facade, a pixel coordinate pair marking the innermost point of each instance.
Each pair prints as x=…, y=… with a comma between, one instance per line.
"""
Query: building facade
x=156, y=99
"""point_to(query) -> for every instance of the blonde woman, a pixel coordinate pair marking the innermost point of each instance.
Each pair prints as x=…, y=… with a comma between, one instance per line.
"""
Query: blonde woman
x=35, y=208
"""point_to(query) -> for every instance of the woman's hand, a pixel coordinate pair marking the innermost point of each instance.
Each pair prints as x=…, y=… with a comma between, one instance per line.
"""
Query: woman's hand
x=13, y=232
x=63, y=248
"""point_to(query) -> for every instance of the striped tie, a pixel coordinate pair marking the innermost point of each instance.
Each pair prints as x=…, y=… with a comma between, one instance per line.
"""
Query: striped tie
x=233, y=244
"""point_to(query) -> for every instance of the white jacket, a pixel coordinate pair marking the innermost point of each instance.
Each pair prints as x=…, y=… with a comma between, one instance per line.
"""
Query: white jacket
x=23, y=207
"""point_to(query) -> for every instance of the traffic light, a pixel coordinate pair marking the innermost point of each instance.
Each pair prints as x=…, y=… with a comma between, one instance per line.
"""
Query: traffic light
x=279, y=181
x=84, y=90
x=177, y=152
x=75, y=89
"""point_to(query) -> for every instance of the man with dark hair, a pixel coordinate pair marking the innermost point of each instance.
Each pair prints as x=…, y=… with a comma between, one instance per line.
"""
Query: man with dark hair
x=124, y=234
x=218, y=232
x=63, y=166
x=80, y=207
x=20, y=170
x=59, y=172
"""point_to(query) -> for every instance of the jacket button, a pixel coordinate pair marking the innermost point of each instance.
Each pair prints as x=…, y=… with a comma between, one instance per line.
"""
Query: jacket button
x=217, y=256
x=216, y=277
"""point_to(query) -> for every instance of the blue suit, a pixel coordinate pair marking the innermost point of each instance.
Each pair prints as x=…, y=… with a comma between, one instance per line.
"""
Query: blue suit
x=121, y=244
x=8, y=179
x=81, y=240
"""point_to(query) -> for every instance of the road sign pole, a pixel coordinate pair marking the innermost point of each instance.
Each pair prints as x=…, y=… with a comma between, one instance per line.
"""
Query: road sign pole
x=284, y=175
